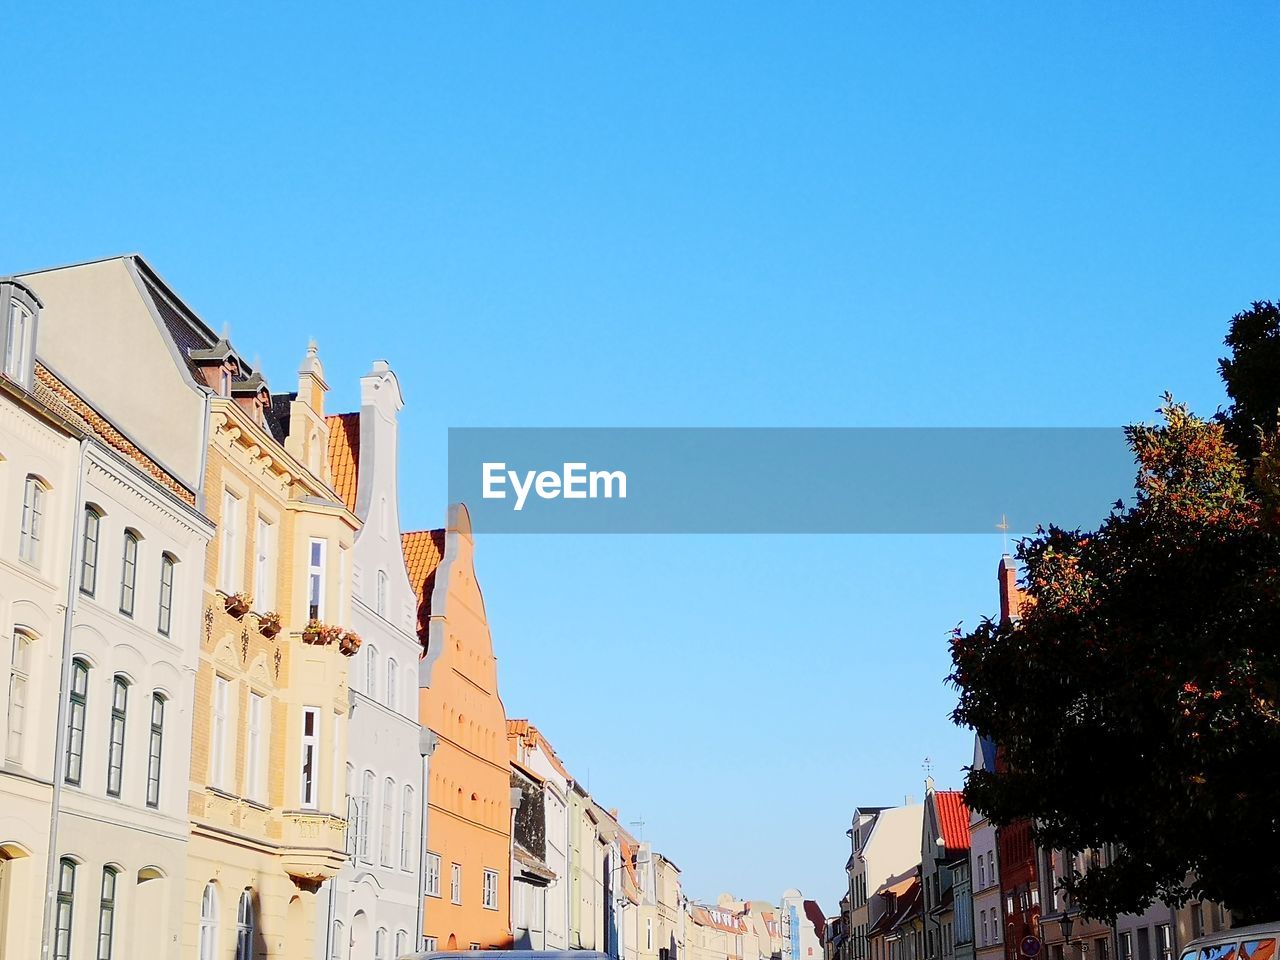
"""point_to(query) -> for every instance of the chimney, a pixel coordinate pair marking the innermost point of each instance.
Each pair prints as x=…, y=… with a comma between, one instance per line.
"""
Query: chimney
x=1010, y=595
x=311, y=383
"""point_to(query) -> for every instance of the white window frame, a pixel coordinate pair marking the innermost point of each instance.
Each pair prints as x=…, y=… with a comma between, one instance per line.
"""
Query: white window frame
x=208, y=947
x=371, y=671
x=368, y=784
x=387, y=822
x=429, y=944
x=316, y=578
x=19, y=690
x=309, y=757
x=380, y=593
x=406, y=827
x=431, y=875
x=15, y=349
x=264, y=553
x=455, y=883
x=33, y=496
x=393, y=684
x=259, y=724
x=490, y=889
x=219, y=769
x=231, y=555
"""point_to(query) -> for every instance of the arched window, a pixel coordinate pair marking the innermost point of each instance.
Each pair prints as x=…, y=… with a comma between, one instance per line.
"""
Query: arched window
x=371, y=672
x=65, y=904
x=209, y=923
x=406, y=829
x=129, y=573
x=33, y=495
x=154, y=748
x=402, y=942
x=115, y=743
x=368, y=785
x=20, y=658
x=388, y=819
x=393, y=684
x=382, y=593
x=337, y=946
x=244, y=927
x=107, y=913
x=75, y=720
x=166, y=594
x=89, y=551
x=380, y=944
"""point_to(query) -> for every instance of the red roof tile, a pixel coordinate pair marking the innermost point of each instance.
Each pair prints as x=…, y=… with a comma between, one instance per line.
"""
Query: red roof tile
x=423, y=551
x=953, y=820
x=344, y=455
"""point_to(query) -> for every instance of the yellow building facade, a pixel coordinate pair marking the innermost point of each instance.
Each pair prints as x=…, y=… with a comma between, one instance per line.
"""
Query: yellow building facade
x=267, y=796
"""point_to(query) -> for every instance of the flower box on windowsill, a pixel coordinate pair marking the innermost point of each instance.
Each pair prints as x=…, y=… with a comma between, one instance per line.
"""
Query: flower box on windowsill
x=238, y=604
x=349, y=643
x=269, y=624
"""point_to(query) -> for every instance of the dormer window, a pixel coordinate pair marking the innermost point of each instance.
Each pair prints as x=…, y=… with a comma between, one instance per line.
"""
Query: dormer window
x=21, y=310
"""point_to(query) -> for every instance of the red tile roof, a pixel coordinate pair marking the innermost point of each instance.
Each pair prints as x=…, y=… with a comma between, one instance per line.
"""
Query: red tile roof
x=65, y=402
x=953, y=820
x=533, y=738
x=344, y=455
x=423, y=551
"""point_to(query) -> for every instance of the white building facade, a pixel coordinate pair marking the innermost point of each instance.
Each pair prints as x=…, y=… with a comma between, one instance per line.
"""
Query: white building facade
x=544, y=912
x=984, y=869
x=375, y=901
x=100, y=687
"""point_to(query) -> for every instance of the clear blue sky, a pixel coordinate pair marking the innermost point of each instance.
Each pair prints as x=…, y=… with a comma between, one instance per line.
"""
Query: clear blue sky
x=687, y=214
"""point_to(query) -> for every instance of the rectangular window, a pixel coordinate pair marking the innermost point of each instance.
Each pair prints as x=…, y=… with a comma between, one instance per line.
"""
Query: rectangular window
x=1103, y=951
x=1126, y=946
x=982, y=872
x=254, y=760
x=366, y=800
x=154, y=748
x=406, y=829
x=491, y=890
x=32, y=522
x=455, y=883
x=128, y=573
x=264, y=574
x=230, y=558
x=315, y=579
x=115, y=746
x=75, y=720
x=431, y=875
x=15, y=363
x=1144, y=944
x=166, y=595
x=1164, y=941
x=89, y=552
x=648, y=933
x=218, y=736
x=19, y=677
x=310, y=757
x=388, y=820
x=429, y=944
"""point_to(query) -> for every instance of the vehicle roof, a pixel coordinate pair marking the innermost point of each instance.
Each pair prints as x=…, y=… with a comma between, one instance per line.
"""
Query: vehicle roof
x=1236, y=933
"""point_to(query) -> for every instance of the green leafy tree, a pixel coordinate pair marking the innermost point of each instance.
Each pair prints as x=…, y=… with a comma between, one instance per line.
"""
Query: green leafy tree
x=1135, y=699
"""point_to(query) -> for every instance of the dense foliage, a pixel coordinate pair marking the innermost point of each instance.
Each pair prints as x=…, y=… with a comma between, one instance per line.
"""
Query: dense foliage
x=1135, y=699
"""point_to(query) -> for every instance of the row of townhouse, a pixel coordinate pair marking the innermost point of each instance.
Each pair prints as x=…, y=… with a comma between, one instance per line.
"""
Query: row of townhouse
x=246, y=715
x=937, y=881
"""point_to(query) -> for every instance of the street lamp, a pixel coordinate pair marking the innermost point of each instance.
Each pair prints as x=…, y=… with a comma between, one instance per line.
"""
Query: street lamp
x=1065, y=922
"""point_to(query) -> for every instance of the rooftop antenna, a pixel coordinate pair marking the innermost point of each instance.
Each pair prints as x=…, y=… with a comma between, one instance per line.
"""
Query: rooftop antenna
x=639, y=825
x=1003, y=527
x=927, y=766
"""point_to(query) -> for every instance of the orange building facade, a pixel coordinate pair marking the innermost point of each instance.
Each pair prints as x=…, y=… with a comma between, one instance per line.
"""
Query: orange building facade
x=467, y=874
